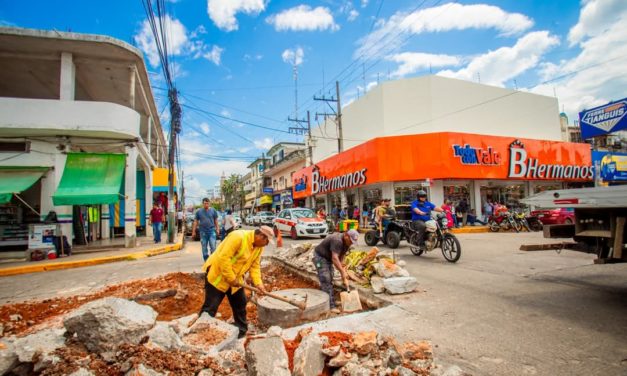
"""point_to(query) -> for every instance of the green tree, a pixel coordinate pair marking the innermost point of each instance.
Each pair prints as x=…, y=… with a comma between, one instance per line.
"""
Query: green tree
x=232, y=191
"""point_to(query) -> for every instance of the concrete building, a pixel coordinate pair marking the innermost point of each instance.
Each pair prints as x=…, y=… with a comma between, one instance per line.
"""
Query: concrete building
x=261, y=200
x=80, y=128
x=285, y=159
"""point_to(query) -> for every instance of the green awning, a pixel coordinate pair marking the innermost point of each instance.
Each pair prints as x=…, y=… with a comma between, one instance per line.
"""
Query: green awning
x=90, y=179
x=13, y=180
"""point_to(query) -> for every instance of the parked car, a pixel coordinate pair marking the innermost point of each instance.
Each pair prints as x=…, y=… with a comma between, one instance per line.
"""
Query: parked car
x=300, y=222
x=555, y=216
x=265, y=218
x=249, y=220
x=189, y=224
x=238, y=221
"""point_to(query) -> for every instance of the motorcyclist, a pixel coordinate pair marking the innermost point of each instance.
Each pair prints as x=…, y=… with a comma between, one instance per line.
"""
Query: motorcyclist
x=421, y=212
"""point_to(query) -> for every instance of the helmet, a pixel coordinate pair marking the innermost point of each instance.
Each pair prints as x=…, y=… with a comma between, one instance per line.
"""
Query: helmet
x=421, y=193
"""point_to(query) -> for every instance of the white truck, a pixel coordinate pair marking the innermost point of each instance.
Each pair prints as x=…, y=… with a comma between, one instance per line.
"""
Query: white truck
x=600, y=215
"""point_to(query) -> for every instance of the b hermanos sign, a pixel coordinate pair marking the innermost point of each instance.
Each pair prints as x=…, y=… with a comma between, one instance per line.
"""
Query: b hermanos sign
x=523, y=166
x=322, y=184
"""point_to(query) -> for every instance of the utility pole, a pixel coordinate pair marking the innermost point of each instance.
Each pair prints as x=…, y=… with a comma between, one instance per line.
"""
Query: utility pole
x=337, y=113
x=175, y=128
x=299, y=129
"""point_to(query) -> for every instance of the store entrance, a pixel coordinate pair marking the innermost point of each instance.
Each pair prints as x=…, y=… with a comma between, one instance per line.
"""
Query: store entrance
x=504, y=193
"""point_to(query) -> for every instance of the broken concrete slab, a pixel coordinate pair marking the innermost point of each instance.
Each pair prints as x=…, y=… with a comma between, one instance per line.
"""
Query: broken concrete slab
x=142, y=370
x=355, y=369
x=42, y=343
x=377, y=284
x=182, y=324
x=308, y=357
x=267, y=357
x=274, y=331
x=400, y=285
x=162, y=336
x=275, y=312
x=8, y=358
x=341, y=359
x=82, y=372
x=230, y=360
x=104, y=324
x=402, y=371
x=208, y=323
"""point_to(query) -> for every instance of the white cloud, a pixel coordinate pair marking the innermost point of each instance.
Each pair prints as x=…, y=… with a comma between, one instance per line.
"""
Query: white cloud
x=215, y=168
x=264, y=144
x=205, y=128
x=180, y=42
x=293, y=57
x=222, y=12
x=389, y=35
x=498, y=66
x=371, y=84
x=364, y=3
x=177, y=70
x=352, y=15
x=596, y=75
x=303, y=18
x=224, y=112
x=595, y=18
x=248, y=57
x=411, y=62
x=215, y=55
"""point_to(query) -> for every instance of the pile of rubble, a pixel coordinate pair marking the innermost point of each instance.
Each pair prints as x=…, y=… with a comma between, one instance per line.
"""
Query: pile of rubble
x=371, y=268
x=118, y=336
x=336, y=353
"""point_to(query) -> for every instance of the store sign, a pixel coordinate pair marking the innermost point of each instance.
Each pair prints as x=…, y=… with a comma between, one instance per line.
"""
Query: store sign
x=611, y=167
x=522, y=166
x=604, y=119
x=286, y=198
x=269, y=190
x=301, y=185
x=477, y=156
x=322, y=184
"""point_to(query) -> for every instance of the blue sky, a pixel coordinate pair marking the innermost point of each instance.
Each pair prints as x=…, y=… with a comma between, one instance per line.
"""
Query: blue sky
x=235, y=58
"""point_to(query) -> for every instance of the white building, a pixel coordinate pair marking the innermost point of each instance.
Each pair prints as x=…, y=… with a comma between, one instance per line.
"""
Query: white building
x=79, y=134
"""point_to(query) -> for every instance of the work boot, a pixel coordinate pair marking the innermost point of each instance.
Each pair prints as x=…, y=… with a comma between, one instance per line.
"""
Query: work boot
x=335, y=310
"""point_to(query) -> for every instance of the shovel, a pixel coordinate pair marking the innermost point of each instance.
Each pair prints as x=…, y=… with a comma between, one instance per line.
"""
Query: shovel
x=300, y=305
x=350, y=301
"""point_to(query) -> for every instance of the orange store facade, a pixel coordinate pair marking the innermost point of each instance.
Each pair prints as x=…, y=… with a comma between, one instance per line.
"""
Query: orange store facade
x=447, y=165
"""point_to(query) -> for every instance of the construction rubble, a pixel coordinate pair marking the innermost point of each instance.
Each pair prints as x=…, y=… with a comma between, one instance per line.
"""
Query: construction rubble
x=374, y=269
x=114, y=336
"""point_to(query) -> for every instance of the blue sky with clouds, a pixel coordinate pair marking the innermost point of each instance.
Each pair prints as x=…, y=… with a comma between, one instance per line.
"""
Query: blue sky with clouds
x=234, y=59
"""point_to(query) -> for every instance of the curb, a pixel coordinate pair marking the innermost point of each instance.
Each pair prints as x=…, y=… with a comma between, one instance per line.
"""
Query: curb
x=90, y=262
x=470, y=230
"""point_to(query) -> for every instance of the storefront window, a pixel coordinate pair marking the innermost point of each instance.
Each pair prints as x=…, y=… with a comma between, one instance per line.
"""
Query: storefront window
x=547, y=187
x=456, y=193
x=321, y=202
x=372, y=198
x=510, y=195
x=405, y=195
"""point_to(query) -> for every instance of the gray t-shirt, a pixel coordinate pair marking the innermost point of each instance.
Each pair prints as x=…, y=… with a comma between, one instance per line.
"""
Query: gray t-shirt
x=206, y=219
x=332, y=244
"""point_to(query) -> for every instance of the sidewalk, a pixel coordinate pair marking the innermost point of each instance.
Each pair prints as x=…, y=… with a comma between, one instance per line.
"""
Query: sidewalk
x=90, y=258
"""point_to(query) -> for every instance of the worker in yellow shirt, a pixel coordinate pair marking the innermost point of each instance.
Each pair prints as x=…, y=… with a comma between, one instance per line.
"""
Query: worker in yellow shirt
x=239, y=253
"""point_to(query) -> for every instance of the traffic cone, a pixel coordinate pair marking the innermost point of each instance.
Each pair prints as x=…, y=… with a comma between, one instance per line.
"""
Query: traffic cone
x=279, y=239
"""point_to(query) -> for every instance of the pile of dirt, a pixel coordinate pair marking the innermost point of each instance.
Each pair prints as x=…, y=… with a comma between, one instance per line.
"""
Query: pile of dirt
x=188, y=299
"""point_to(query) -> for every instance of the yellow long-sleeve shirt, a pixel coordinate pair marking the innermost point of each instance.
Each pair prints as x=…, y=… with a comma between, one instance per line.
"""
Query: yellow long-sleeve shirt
x=235, y=256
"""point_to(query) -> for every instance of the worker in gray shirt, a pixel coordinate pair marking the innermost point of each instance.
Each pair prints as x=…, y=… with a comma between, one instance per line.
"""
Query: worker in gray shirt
x=329, y=253
x=206, y=220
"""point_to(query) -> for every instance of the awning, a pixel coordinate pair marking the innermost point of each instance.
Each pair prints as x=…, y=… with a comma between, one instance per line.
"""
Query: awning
x=90, y=179
x=17, y=179
x=160, y=180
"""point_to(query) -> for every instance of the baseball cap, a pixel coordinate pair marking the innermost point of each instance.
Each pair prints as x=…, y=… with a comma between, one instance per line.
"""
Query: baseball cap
x=353, y=235
x=267, y=231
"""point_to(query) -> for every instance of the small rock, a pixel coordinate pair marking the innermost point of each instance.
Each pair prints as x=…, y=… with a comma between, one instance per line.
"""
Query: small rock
x=45, y=361
x=162, y=336
x=82, y=372
x=205, y=372
x=142, y=370
x=377, y=284
x=42, y=343
x=182, y=324
x=331, y=351
x=354, y=369
x=218, y=315
x=1, y=330
x=16, y=317
x=401, y=263
x=365, y=342
x=8, y=358
x=230, y=359
x=267, y=357
x=308, y=357
x=274, y=331
x=341, y=359
x=449, y=371
x=421, y=350
x=391, y=358
x=400, y=285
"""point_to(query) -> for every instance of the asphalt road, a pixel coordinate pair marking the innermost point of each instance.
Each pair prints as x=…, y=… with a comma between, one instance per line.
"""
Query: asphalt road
x=498, y=311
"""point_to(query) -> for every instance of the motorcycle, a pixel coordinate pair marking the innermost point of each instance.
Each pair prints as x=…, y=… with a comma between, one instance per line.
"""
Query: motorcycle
x=436, y=236
x=521, y=219
x=534, y=223
x=504, y=221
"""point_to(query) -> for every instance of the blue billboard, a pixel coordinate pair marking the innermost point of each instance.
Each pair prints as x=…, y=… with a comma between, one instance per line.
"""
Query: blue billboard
x=605, y=119
x=610, y=167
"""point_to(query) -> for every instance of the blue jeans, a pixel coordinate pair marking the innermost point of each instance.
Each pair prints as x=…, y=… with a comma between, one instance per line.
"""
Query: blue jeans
x=207, y=237
x=325, y=275
x=156, y=230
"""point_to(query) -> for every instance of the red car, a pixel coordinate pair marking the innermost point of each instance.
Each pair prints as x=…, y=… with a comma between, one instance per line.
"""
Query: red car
x=555, y=216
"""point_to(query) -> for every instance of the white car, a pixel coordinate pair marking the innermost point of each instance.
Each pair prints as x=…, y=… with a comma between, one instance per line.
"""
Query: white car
x=300, y=222
x=238, y=221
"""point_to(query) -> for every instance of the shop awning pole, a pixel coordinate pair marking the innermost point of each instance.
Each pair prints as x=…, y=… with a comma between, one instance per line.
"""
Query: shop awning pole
x=25, y=203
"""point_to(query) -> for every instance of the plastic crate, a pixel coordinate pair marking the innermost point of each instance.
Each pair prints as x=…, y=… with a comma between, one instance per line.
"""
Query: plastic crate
x=348, y=224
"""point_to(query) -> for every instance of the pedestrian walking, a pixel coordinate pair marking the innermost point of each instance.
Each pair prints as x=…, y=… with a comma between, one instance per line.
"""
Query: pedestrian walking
x=356, y=213
x=462, y=209
x=448, y=210
x=364, y=215
x=156, y=221
x=238, y=254
x=179, y=220
x=330, y=253
x=229, y=222
x=206, y=220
